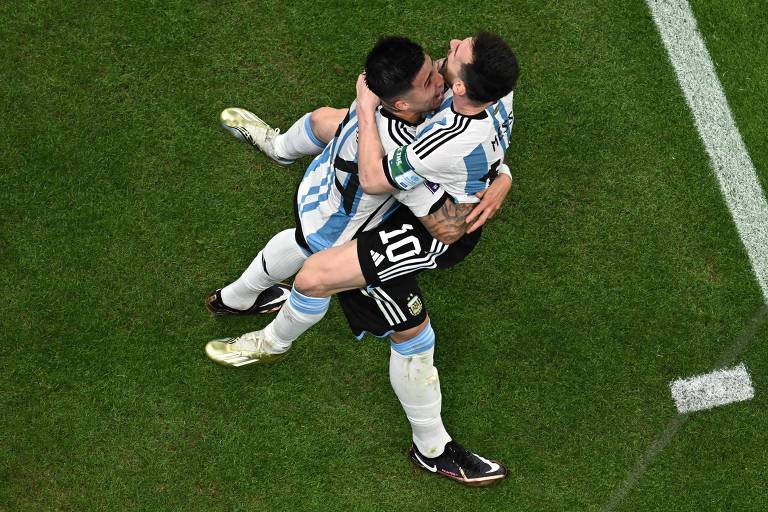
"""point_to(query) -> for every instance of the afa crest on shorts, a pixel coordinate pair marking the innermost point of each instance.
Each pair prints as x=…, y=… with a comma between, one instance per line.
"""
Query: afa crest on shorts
x=414, y=305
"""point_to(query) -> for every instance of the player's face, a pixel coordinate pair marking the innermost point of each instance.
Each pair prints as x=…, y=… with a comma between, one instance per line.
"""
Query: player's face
x=459, y=53
x=427, y=88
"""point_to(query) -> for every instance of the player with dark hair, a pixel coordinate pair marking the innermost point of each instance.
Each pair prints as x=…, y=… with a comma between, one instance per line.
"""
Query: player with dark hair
x=492, y=71
x=392, y=66
x=392, y=254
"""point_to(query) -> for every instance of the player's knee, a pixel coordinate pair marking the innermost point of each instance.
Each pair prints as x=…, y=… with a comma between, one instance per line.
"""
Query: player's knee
x=316, y=117
x=324, y=122
x=409, y=334
x=310, y=280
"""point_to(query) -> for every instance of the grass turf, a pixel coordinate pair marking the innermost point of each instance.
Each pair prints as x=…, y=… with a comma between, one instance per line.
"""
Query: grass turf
x=614, y=268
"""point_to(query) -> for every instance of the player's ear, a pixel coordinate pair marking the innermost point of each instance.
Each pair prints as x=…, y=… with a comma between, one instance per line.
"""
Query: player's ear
x=400, y=105
x=459, y=88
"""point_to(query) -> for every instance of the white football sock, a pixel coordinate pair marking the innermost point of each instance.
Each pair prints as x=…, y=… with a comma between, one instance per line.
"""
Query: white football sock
x=298, y=314
x=414, y=378
x=281, y=258
x=299, y=141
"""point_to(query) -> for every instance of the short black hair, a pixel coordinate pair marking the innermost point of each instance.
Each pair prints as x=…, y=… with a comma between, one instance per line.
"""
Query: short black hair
x=392, y=65
x=493, y=71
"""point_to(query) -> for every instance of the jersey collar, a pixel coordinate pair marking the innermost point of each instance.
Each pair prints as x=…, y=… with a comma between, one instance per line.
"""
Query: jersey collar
x=480, y=115
x=391, y=115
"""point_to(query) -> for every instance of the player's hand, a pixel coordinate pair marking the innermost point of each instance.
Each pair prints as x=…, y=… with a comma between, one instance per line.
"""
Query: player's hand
x=366, y=99
x=491, y=200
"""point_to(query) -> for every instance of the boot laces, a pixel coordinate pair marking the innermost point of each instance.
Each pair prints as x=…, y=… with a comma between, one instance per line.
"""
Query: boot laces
x=465, y=458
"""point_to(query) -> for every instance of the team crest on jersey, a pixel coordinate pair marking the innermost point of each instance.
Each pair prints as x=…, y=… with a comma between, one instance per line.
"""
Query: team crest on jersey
x=414, y=305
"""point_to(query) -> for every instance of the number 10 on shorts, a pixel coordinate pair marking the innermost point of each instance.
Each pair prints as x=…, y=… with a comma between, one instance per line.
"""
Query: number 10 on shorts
x=412, y=241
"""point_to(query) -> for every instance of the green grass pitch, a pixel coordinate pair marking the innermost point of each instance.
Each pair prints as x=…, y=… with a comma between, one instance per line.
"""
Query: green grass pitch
x=613, y=269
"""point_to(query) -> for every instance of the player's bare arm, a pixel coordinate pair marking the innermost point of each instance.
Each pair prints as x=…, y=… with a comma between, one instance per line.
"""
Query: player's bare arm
x=449, y=222
x=370, y=151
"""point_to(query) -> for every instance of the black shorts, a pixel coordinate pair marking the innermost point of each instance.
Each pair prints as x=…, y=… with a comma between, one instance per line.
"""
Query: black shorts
x=382, y=310
x=402, y=246
x=391, y=257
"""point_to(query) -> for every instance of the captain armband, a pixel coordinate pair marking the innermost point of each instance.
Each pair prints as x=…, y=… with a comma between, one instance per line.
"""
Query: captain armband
x=399, y=170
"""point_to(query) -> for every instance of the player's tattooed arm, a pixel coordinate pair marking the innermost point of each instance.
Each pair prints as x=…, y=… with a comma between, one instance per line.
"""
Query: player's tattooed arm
x=452, y=220
x=449, y=222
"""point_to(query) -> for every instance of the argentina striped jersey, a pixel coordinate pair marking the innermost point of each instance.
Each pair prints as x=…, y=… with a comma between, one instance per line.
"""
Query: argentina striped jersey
x=331, y=207
x=460, y=152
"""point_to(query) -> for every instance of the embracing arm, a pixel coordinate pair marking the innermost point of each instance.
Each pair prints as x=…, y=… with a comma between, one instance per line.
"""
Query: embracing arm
x=452, y=220
x=449, y=222
x=370, y=153
x=491, y=199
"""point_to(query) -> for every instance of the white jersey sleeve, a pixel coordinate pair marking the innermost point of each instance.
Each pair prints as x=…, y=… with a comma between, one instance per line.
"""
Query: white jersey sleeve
x=422, y=198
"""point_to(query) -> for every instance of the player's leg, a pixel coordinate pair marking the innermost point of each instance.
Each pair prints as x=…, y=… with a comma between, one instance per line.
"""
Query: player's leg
x=296, y=315
x=280, y=259
x=308, y=136
x=331, y=271
x=309, y=299
x=300, y=312
x=325, y=121
x=399, y=248
x=416, y=383
x=397, y=309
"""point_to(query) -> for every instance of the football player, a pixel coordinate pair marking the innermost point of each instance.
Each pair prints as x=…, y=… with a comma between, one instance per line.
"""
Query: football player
x=391, y=304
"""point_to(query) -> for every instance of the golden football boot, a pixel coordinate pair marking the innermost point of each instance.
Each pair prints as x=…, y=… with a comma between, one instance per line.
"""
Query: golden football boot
x=249, y=128
x=251, y=347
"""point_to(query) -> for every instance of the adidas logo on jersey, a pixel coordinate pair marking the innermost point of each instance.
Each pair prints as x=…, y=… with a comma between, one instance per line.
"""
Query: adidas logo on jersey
x=377, y=258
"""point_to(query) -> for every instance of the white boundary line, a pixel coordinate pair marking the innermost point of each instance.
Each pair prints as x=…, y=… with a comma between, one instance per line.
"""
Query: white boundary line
x=722, y=140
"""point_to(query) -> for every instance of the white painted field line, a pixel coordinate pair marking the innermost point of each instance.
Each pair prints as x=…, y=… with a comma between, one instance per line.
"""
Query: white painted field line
x=713, y=389
x=722, y=140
